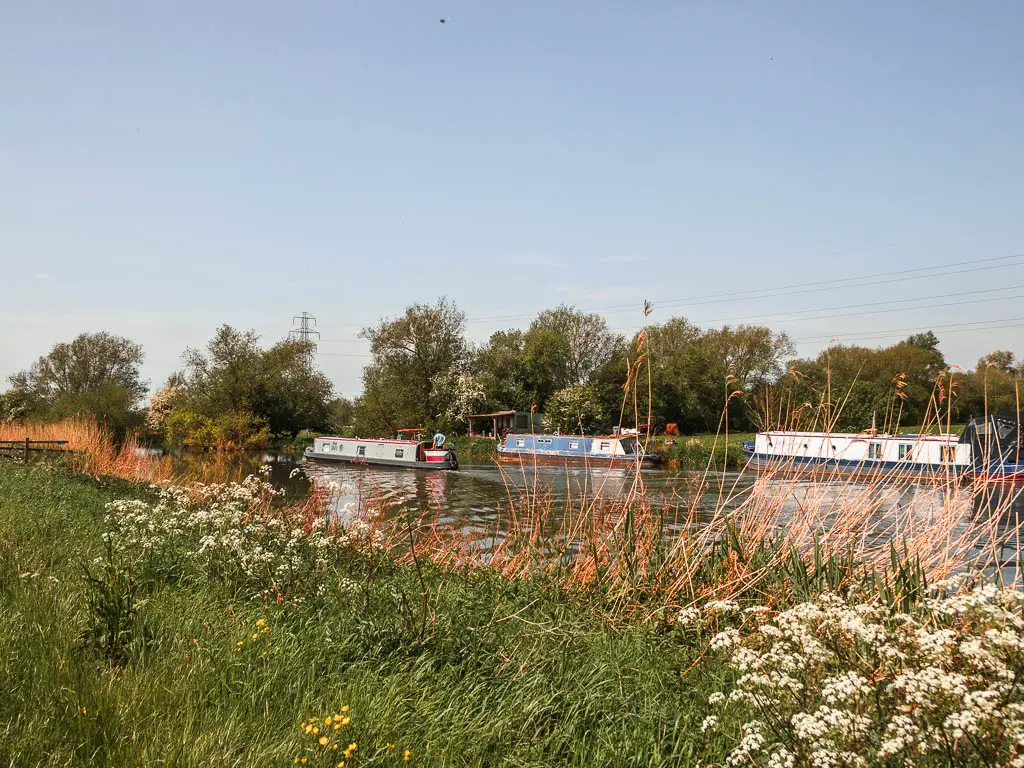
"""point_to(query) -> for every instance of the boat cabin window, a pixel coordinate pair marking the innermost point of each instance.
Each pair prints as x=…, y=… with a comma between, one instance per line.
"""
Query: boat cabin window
x=605, y=446
x=544, y=441
x=361, y=450
x=947, y=453
x=905, y=450
x=520, y=442
x=574, y=444
x=874, y=450
x=399, y=453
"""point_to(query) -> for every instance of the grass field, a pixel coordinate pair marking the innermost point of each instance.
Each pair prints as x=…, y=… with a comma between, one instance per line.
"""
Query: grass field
x=225, y=625
x=497, y=673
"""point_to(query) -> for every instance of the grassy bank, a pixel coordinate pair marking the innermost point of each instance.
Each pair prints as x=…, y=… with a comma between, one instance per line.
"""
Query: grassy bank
x=496, y=673
x=700, y=452
x=220, y=625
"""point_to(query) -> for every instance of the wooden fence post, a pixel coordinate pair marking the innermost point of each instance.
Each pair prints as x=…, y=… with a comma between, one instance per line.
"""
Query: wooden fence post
x=26, y=450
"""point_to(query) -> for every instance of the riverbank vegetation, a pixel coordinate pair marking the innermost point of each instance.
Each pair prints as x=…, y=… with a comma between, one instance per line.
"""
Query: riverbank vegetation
x=425, y=373
x=570, y=366
x=217, y=624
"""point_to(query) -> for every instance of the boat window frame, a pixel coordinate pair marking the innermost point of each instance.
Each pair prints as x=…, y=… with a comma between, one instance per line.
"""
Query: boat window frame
x=874, y=449
x=947, y=454
x=399, y=453
x=361, y=451
x=520, y=442
x=544, y=441
x=905, y=451
x=574, y=445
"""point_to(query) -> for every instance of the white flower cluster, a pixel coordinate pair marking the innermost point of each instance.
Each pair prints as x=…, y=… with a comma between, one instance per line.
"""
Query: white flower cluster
x=230, y=531
x=830, y=683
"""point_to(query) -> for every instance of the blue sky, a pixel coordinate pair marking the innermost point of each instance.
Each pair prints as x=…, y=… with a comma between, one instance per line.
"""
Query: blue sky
x=169, y=167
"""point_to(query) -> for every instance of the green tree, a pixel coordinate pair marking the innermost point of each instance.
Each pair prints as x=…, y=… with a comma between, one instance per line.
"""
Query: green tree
x=850, y=387
x=573, y=410
x=280, y=386
x=96, y=374
x=503, y=371
x=1001, y=359
x=341, y=415
x=413, y=355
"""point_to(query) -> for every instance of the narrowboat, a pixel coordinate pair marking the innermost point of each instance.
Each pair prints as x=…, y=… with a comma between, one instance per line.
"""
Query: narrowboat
x=391, y=453
x=883, y=456
x=996, y=446
x=987, y=451
x=615, y=450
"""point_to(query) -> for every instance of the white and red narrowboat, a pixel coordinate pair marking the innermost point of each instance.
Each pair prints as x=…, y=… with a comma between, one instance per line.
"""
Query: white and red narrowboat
x=390, y=453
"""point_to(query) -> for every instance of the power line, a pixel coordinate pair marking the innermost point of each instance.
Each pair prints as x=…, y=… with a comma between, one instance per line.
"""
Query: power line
x=905, y=304
x=978, y=325
x=863, y=281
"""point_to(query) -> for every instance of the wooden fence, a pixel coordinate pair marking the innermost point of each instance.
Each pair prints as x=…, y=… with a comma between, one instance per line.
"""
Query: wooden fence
x=22, y=449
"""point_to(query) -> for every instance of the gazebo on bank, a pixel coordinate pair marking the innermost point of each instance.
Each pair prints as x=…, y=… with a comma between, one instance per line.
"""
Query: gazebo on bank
x=505, y=422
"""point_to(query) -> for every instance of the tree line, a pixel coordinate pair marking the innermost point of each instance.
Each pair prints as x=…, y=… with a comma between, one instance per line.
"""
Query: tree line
x=571, y=367
x=567, y=364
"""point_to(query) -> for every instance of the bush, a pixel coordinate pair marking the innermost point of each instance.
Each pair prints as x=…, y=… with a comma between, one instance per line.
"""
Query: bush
x=235, y=430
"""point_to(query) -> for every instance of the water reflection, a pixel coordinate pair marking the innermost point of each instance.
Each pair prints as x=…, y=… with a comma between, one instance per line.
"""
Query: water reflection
x=480, y=496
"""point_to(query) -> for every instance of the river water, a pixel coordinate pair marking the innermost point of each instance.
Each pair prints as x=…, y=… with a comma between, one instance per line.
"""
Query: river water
x=479, y=495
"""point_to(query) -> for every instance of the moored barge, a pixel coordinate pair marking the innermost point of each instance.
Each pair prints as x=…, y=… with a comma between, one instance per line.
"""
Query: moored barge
x=882, y=456
x=988, y=450
x=390, y=453
x=615, y=450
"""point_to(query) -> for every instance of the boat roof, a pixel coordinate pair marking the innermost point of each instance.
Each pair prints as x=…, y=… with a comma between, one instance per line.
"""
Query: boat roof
x=371, y=440
x=864, y=435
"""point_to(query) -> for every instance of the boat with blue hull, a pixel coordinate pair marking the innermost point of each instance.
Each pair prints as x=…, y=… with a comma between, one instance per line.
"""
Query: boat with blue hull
x=988, y=450
x=613, y=450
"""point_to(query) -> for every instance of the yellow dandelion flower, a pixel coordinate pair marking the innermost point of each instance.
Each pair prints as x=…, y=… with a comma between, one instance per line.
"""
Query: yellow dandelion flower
x=347, y=754
x=345, y=708
x=316, y=730
x=334, y=746
x=407, y=755
x=266, y=629
x=346, y=720
x=391, y=746
x=312, y=719
x=302, y=724
x=337, y=726
x=327, y=720
x=296, y=761
x=353, y=746
x=341, y=764
x=303, y=761
x=323, y=741
x=261, y=622
x=83, y=710
x=254, y=636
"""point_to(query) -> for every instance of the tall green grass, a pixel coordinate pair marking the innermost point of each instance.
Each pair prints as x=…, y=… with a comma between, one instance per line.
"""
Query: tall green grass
x=495, y=673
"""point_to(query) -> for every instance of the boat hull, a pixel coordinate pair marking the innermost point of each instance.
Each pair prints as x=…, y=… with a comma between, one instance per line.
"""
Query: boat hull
x=585, y=459
x=382, y=462
x=824, y=467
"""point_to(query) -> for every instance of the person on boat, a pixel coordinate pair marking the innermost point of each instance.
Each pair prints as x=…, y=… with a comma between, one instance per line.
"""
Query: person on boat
x=439, y=440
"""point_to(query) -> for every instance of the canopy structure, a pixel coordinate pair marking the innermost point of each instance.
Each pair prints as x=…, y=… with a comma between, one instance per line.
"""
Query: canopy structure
x=504, y=422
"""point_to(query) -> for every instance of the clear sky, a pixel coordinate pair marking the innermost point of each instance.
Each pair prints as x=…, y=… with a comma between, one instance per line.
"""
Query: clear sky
x=169, y=167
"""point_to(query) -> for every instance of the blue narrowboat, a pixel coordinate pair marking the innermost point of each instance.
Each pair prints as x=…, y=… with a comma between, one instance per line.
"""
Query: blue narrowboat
x=614, y=450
